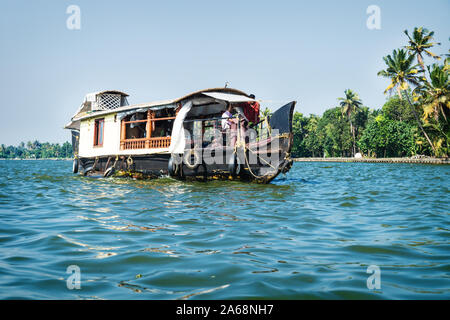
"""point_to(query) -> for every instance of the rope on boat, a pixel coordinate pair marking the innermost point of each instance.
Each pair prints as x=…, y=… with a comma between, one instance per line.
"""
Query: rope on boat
x=241, y=144
x=129, y=161
x=95, y=163
x=248, y=166
x=107, y=163
x=115, y=161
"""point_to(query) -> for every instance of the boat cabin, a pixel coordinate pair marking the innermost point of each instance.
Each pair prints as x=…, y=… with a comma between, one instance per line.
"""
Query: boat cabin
x=105, y=124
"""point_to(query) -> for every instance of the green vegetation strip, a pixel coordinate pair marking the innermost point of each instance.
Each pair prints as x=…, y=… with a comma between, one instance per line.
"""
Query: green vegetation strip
x=378, y=160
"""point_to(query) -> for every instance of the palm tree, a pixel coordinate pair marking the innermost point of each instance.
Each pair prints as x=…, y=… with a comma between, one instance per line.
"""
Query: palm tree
x=435, y=99
x=437, y=93
x=402, y=72
x=419, y=43
x=350, y=104
x=36, y=144
x=267, y=112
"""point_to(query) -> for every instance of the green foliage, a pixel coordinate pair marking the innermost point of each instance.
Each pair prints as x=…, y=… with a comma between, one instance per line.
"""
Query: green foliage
x=398, y=109
x=350, y=104
x=334, y=133
x=316, y=136
x=388, y=138
x=401, y=69
x=266, y=112
x=36, y=150
x=387, y=132
x=298, y=127
x=311, y=141
x=420, y=41
x=431, y=97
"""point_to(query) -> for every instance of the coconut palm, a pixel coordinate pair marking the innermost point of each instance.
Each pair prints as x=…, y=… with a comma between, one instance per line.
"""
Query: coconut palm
x=437, y=93
x=435, y=100
x=403, y=72
x=419, y=44
x=266, y=112
x=350, y=104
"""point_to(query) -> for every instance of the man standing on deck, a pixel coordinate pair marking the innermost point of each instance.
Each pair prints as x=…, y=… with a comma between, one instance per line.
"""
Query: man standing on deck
x=229, y=126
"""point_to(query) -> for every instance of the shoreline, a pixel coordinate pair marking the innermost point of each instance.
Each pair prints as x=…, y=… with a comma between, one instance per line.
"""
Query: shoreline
x=378, y=160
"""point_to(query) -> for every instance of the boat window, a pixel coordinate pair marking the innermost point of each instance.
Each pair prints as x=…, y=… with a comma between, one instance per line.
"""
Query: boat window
x=136, y=125
x=147, y=130
x=163, y=123
x=98, y=132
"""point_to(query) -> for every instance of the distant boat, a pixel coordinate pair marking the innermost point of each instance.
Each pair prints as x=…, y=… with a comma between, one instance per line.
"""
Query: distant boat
x=192, y=137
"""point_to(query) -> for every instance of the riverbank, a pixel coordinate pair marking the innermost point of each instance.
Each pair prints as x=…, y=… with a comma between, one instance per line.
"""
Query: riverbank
x=425, y=160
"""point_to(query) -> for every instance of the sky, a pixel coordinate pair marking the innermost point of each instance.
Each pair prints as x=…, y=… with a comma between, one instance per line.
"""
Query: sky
x=308, y=51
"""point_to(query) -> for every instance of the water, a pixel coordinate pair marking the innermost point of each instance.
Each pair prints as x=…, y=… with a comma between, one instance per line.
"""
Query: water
x=309, y=235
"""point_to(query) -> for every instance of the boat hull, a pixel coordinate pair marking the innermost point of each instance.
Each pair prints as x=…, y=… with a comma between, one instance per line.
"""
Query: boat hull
x=202, y=173
x=252, y=165
x=138, y=166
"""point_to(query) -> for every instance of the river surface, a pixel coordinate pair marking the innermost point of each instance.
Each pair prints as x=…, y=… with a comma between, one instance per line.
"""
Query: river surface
x=311, y=234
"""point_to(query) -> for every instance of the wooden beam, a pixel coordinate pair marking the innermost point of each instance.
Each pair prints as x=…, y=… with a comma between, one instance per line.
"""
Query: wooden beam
x=148, y=130
x=123, y=135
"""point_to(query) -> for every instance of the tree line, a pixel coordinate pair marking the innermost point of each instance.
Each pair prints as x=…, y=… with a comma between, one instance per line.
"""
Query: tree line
x=36, y=150
x=413, y=121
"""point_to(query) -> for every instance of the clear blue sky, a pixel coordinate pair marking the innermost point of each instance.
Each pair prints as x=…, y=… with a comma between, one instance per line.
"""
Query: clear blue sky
x=309, y=51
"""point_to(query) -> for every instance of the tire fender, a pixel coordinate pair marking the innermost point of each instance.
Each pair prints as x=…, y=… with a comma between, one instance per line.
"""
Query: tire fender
x=109, y=172
x=87, y=170
x=197, y=159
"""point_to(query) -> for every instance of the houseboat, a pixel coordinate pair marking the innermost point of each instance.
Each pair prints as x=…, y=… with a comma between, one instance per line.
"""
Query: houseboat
x=208, y=134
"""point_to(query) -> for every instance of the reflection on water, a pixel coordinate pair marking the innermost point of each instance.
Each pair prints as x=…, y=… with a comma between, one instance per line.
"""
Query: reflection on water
x=310, y=234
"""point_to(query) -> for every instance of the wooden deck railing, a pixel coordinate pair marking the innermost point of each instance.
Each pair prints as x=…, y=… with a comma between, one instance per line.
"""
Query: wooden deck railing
x=163, y=142
x=145, y=143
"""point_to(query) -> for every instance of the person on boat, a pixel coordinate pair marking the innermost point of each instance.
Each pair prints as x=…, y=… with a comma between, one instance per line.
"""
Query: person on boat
x=243, y=121
x=251, y=110
x=229, y=126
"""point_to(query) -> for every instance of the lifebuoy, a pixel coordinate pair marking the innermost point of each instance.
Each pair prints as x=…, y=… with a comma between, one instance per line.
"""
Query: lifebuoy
x=234, y=165
x=75, y=165
x=192, y=159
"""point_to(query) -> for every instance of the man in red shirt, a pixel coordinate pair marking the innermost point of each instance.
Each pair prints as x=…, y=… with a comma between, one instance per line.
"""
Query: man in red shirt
x=251, y=110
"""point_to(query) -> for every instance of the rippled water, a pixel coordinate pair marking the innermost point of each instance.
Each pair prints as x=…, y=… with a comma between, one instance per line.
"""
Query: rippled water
x=310, y=234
